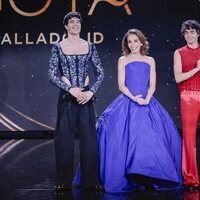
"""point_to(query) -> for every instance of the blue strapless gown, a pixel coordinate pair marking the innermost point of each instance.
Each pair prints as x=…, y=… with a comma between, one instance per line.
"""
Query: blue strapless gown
x=138, y=145
x=138, y=142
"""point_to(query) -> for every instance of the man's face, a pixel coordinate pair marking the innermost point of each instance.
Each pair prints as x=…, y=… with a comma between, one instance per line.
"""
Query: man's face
x=191, y=36
x=74, y=26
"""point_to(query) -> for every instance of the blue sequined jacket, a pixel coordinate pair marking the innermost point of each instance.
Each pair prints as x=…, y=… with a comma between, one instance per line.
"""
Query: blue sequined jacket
x=75, y=68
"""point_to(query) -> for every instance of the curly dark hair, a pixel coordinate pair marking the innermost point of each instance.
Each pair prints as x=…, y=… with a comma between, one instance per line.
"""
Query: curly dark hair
x=190, y=24
x=145, y=44
x=70, y=15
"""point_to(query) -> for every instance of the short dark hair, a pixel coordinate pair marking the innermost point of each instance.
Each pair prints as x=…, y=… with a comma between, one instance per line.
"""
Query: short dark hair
x=145, y=44
x=190, y=24
x=70, y=15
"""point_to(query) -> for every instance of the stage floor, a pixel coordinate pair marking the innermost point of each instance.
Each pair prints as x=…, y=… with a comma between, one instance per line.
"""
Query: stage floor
x=27, y=171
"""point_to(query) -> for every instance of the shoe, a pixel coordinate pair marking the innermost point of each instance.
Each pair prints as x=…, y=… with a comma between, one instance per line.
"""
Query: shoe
x=96, y=188
x=191, y=187
x=61, y=188
x=99, y=188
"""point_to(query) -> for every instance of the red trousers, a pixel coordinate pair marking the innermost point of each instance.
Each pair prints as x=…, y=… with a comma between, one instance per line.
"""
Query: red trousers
x=190, y=111
x=188, y=195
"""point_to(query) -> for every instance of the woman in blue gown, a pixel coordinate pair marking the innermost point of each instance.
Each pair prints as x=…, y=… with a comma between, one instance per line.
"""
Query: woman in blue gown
x=139, y=145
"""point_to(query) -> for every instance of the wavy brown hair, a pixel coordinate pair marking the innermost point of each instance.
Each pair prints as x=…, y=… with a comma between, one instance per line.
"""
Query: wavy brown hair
x=190, y=24
x=145, y=44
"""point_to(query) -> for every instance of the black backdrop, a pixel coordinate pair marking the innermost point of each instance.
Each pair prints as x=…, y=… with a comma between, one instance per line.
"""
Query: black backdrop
x=28, y=29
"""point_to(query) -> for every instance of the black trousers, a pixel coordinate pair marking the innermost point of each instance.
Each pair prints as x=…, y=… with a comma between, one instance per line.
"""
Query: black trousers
x=74, y=118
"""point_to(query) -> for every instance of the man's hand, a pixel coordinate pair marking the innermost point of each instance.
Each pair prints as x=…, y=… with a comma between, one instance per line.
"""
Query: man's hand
x=76, y=92
x=83, y=99
x=198, y=65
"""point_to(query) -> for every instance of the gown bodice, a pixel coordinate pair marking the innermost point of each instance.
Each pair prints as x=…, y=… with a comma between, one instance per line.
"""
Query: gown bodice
x=137, y=77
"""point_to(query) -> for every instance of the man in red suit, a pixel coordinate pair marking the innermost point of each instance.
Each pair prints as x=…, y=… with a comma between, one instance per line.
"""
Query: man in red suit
x=187, y=75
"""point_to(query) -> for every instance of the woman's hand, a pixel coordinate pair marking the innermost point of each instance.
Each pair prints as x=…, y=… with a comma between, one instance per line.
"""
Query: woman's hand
x=141, y=101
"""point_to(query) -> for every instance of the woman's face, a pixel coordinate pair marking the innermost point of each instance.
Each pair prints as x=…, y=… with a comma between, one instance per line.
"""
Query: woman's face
x=134, y=43
x=74, y=26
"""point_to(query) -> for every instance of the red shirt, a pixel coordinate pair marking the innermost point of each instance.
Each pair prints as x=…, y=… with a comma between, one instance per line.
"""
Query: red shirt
x=189, y=58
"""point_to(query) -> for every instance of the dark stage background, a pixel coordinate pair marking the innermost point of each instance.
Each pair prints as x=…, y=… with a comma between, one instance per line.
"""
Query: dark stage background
x=29, y=28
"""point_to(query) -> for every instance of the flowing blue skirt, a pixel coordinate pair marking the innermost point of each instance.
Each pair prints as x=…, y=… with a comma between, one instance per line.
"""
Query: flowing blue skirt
x=139, y=146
